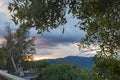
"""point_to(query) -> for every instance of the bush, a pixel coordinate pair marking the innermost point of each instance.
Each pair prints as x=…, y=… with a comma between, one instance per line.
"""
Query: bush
x=64, y=71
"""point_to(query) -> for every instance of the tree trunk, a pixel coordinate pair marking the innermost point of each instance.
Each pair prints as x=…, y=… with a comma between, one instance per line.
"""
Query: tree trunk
x=21, y=73
x=14, y=65
x=18, y=68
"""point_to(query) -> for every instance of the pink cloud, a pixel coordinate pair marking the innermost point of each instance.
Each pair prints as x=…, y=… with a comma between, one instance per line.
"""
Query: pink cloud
x=2, y=40
x=43, y=47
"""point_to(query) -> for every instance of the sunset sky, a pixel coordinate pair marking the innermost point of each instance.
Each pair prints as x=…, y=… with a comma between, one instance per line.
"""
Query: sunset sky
x=51, y=44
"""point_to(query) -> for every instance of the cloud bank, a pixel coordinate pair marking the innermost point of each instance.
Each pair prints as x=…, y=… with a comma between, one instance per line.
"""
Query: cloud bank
x=53, y=44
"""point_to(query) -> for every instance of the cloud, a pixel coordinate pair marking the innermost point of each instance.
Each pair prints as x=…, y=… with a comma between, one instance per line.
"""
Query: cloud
x=4, y=7
x=70, y=32
x=45, y=51
x=4, y=16
x=53, y=44
x=2, y=40
x=49, y=43
x=60, y=50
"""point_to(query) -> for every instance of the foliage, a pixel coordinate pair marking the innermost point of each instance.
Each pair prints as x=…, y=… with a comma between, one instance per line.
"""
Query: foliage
x=5, y=62
x=81, y=62
x=17, y=46
x=3, y=58
x=100, y=21
x=107, y=68
x=99, y=18
x=64, y=71
x=35, y=65
x=41, y=14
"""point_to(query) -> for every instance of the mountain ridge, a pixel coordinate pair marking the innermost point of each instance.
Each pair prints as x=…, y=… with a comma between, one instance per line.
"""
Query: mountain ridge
x=81, y=62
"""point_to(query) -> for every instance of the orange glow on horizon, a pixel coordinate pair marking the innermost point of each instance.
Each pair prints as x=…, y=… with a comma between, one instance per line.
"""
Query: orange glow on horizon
x=39, y=57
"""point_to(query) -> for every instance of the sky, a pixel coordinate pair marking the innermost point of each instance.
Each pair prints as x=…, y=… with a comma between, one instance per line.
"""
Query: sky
x=53, y=44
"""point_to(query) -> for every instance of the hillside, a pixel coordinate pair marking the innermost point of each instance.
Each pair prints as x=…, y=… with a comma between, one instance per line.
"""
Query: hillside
x=82, y=62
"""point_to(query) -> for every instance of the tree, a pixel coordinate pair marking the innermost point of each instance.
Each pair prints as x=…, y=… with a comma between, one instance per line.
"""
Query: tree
x=45, y=14
x=64, y=71
x=3, y=58
x=17, y=46
x=99, y=18
x=100, y=21
x=36, y=65
x=107, y=68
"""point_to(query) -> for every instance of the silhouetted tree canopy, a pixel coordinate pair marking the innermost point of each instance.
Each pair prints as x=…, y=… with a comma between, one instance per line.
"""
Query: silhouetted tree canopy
x=99, y=18
x=41, y=14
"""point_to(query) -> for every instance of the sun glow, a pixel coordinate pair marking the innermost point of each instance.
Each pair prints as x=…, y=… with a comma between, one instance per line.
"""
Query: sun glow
x=41, y=57
x=38, y=57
